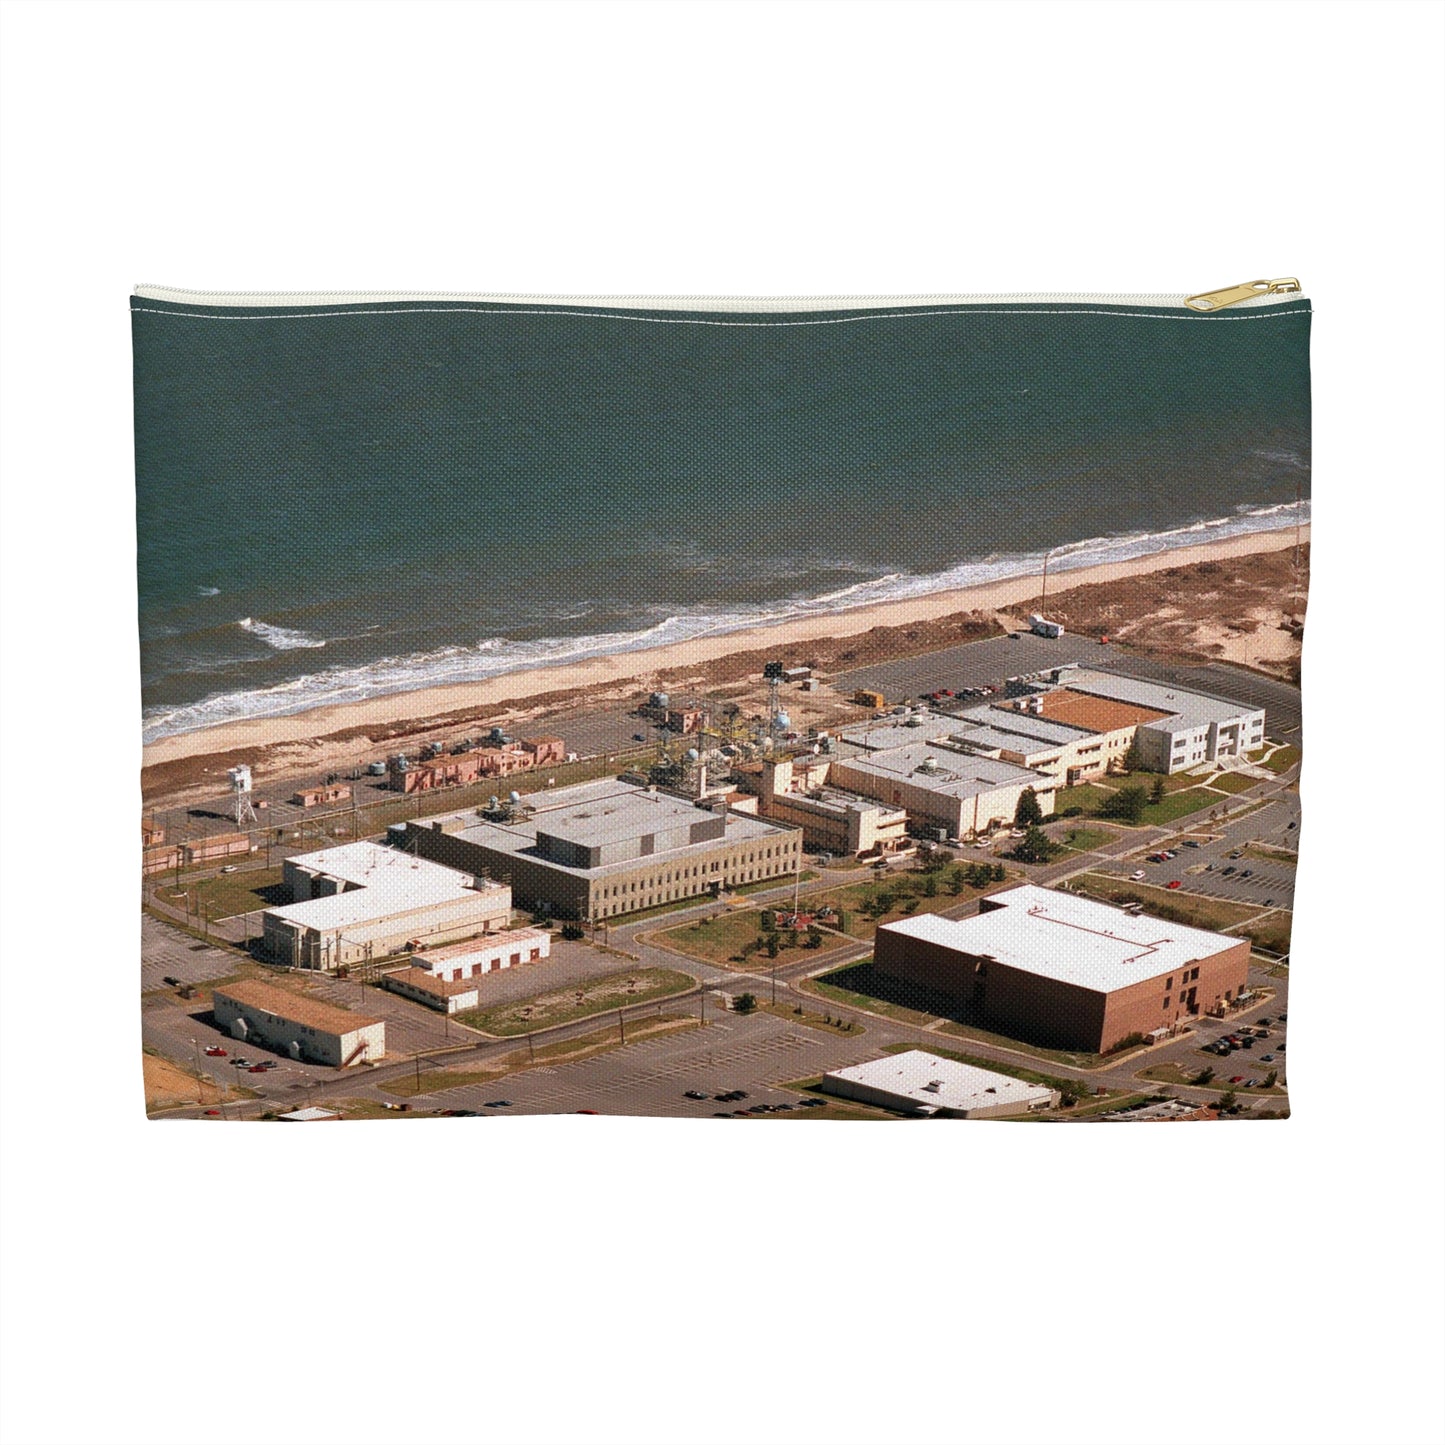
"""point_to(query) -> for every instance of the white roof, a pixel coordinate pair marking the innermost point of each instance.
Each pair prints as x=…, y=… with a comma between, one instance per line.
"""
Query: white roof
x=1188, y=709
x=941, y=769
x=1068, y=938
x=310, y=1115
x=383, y=881
x=928, y=1081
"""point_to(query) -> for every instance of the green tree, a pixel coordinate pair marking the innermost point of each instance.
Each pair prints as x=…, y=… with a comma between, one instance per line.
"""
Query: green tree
x=1127, y=804
x=745, y=1003
x=930, y=886
x=1036, y=846
x=956, y=880
x=997, y=873
x=1227, y=1101
x=1134, y=758
x=1271, y=1078
x=1156, y=793
x=768, y=920
x=1203, y=1076
x=815, y=937
x=772, y=945
x=1028, y=812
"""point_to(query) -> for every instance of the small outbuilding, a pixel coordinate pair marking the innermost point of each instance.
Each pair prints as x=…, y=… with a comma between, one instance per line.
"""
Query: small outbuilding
x=923, y=1085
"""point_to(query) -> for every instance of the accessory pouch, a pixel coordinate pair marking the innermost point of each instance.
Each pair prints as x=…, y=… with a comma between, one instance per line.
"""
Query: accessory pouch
x=832, y=707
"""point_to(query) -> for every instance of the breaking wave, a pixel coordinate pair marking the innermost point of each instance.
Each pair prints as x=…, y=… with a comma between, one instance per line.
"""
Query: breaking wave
x=495, y=656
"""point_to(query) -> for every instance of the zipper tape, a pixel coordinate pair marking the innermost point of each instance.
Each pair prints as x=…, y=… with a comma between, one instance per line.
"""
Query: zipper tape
x=1247, y=296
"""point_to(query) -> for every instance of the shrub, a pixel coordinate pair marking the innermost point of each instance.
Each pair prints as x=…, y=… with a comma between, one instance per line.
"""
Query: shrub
x=573, y=931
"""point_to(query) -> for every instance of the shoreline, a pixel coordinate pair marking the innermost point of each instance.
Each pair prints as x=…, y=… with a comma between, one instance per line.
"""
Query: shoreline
x=614, y=669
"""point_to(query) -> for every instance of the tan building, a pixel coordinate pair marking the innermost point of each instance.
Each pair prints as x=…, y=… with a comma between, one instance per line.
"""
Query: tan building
x=604, y=849
x=446, y=995
x=361, y=901
x=305, y=1028
x=1066, y=971
x=795, y=792
x=943, y=787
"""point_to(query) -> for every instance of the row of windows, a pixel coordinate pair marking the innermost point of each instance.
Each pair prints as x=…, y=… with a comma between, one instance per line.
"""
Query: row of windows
x=663, y=894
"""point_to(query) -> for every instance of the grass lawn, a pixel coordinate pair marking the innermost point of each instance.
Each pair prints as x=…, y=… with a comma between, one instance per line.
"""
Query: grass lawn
x=1088, y=797
x=796, y=1014
x=1181, y=797
x=1074, y=1058
x=562, y=1005
x=763, y=884
x=1233, y=782
x=837, y=1108
x=1270, y=855
x=1176, y=905
x=1282, y=759
x=1271, y=932
x=722, y=940
x=245, y=891
x=1174, y=1074
x=1083, y=840
x=907, y=892
x=835, y=985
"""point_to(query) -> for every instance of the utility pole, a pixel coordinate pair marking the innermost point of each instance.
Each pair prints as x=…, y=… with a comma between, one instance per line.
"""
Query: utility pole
x=1044, y=595
x=621, y=1026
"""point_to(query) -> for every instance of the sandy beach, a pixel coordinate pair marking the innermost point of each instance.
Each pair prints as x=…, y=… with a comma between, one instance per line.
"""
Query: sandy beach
x=605, y=674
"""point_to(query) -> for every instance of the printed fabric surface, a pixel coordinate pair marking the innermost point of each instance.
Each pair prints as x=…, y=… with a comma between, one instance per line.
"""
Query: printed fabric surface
x=845, y=710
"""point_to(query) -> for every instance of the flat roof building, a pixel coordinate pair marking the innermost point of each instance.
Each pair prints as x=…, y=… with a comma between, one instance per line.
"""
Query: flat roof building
x=602, y=849
x=924, y=1085
x=1067, y=971
x=1178, y=728
x=296, y=1024
x=943, y=786
x=443, y=994
x=361, y=901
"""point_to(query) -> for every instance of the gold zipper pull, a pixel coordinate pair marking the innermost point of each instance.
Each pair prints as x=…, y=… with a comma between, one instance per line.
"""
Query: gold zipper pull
x=1228, y=295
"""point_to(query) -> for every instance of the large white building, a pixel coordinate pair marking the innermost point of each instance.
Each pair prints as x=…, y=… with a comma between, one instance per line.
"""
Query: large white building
x=923, y=1085
x=363, y=901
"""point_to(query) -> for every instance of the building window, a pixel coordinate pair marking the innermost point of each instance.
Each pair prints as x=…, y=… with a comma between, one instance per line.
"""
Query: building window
x=1166, y=1000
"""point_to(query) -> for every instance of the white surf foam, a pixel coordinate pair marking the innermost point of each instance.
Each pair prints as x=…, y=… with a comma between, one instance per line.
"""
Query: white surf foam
x=495, y=656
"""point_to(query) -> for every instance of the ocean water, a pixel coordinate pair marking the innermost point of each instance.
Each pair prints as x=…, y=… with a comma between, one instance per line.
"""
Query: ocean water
x=366, y=500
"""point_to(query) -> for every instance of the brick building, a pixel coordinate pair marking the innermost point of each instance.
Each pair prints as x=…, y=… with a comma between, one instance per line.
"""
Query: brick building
x=1066, y=971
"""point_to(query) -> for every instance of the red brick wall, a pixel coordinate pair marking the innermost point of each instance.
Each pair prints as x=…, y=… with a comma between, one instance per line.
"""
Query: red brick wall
x=1062, y=1015
x=1140, y=1008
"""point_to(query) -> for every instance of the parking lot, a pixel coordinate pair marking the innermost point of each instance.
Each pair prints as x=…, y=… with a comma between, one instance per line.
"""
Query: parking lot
x=1212, y=870
x=972, y=664
x=651, y=1077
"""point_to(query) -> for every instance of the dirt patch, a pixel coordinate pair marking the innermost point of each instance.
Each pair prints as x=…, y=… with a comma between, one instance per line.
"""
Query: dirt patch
x=167, y=1085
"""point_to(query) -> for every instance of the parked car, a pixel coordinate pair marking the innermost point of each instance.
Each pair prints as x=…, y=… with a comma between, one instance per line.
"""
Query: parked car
x=213, y=1113
x=586, y=1111
x=499, y=1104
x=215, y=1051
x=1266, y=1058
x=1174, y=883
x=1193, y=843
x=1247, y=873
x=1231, y=869
x=1137, y=874
x=256, y=1069
x=639, y=737
x=694, y=1094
